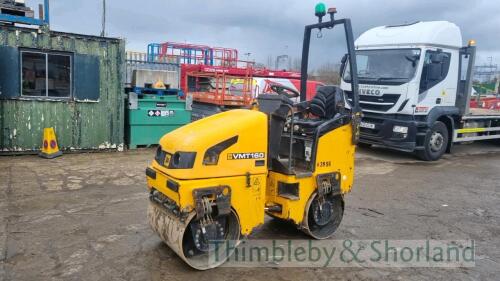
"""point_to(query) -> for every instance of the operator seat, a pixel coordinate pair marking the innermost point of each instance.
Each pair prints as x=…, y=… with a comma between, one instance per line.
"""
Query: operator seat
x=314, y=118
x=327, y=104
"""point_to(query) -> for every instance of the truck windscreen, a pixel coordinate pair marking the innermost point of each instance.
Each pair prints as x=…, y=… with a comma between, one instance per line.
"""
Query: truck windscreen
x=385, y=66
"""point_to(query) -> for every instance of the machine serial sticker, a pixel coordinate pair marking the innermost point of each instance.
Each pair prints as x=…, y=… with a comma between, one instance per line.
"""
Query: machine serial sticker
x=324, y=164
x=248, y=155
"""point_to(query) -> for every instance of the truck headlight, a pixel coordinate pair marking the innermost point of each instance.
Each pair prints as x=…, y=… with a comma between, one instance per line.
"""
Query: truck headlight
x=400, y=129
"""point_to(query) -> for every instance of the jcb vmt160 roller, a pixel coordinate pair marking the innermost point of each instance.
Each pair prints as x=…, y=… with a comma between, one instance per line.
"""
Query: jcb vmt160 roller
x=216, y=178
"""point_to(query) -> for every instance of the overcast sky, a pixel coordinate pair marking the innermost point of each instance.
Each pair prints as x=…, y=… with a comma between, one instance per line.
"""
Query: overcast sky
x=268, y=27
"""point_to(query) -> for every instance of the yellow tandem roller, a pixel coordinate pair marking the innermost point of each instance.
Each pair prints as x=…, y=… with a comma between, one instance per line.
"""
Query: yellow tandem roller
x=215, y=179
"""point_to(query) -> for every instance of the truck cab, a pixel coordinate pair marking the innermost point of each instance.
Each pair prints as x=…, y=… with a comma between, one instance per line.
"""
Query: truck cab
x=414, y=86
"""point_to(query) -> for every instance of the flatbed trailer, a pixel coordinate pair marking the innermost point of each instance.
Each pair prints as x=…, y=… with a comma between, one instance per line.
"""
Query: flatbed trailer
x=479, y=124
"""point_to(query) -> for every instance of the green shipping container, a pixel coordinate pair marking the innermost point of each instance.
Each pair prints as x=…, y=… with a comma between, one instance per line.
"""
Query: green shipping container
x=71, y=82
x=149, y=117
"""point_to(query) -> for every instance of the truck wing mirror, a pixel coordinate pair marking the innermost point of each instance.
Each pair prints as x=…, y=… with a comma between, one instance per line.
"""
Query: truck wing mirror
x=343, y=62
x=438, y=58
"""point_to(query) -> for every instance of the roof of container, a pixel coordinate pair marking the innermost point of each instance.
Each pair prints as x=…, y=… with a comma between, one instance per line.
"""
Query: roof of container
x=60, y=33
x=441, y=33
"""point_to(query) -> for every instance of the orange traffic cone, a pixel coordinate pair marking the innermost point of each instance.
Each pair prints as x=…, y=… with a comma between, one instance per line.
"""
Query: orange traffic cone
x=50, y=149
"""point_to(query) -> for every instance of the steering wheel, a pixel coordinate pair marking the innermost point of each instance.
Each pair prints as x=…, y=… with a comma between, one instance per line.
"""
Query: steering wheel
x=285, y=91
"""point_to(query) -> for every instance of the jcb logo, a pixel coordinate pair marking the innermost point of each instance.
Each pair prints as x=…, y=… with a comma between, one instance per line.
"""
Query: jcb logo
x=243, y=156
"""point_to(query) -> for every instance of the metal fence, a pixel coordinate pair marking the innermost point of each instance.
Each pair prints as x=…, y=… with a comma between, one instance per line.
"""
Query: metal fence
x=139, y=61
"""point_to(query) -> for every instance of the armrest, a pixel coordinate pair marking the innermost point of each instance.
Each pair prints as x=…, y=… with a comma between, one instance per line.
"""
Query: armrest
x=302, y=106
x=337, y=121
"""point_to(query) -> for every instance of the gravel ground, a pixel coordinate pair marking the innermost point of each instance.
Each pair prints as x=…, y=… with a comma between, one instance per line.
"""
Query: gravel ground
x=82, y=217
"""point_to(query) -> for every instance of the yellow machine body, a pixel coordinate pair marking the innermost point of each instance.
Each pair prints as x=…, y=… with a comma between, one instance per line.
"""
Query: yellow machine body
x=246, y=177
x=335, y=154
x=252, y=187
x=249, y=126
x=188, y=185
x=216, y=172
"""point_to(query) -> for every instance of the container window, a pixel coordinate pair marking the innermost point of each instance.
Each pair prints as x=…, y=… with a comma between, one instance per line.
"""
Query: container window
x=59, y=76
x=46, y=74
x=34, y=74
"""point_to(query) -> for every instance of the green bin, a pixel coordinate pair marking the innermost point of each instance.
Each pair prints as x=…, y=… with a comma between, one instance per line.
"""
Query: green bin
x=149, y=117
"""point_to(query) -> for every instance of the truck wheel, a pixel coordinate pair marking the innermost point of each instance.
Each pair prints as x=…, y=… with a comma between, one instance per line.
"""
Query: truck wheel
x=435, y=143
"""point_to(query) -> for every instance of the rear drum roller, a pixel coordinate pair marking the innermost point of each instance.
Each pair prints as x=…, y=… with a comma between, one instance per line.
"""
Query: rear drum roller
x=190, y=238
x=323, y=216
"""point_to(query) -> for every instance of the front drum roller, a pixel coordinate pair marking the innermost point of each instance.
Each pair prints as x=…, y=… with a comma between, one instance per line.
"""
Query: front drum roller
x=187, y=240
x=323, y=216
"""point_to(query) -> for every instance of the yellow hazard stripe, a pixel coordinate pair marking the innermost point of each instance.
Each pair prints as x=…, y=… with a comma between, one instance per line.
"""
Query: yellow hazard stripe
x=471, y=130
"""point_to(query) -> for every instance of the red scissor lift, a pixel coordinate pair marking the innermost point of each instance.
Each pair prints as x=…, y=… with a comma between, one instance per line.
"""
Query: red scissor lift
x=218, y=85
x=193, y=77
x=193, y=54
x=212, y=85
x=213, y=76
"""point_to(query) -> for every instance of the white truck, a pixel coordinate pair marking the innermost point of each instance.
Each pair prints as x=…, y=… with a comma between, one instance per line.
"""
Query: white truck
x=415, y=83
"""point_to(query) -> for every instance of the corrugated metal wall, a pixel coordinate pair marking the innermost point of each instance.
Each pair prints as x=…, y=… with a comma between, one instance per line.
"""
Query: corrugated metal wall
x=78, y=124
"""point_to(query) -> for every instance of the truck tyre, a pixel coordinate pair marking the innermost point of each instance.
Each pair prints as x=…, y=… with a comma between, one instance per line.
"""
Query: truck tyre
x=435, y=143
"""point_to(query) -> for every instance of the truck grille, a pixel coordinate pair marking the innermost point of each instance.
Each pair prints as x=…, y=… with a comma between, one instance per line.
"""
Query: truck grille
x=376, y=103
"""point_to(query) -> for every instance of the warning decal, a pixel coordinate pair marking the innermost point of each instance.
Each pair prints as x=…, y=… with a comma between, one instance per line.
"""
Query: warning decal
x=161, y=113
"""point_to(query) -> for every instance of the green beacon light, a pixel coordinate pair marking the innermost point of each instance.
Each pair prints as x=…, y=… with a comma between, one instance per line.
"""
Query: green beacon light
x=320, y=11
